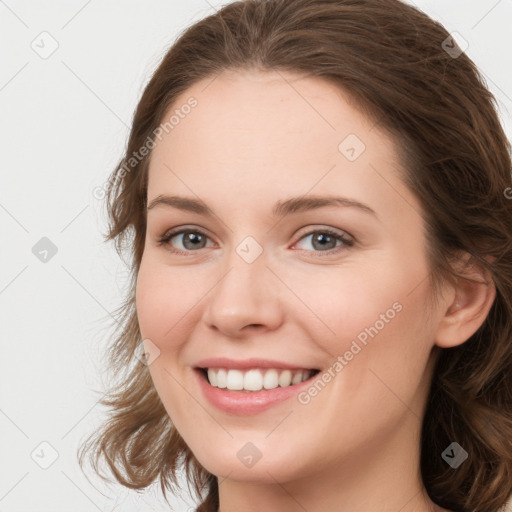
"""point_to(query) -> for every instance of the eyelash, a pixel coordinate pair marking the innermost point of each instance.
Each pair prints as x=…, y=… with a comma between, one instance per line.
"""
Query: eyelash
x=347, y=242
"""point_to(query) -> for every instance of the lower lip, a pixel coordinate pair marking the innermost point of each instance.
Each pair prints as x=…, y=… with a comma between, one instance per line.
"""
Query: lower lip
x=247, y=403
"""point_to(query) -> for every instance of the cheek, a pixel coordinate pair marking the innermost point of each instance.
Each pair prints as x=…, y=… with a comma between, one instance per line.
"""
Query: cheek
x=341, y=302
x=156, y=301
x=167, y=300
x=374, y=311
x=164, y=303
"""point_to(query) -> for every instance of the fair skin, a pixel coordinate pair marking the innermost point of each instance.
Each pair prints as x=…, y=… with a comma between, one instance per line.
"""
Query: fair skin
x=255, y=139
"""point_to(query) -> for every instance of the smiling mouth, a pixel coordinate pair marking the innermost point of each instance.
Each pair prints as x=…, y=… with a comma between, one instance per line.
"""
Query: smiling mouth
x=256, y=379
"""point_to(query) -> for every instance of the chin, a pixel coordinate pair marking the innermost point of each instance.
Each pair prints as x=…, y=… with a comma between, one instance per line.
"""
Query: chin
x=245, y=462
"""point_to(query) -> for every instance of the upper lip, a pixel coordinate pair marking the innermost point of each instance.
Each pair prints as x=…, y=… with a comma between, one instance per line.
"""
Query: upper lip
x=243, y=364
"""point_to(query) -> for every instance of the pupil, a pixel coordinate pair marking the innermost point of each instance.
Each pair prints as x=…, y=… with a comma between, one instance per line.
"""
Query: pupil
x=193, y=238
x=322, y=238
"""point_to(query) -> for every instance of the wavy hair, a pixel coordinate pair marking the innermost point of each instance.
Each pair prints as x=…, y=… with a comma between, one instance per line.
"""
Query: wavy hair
x=399, y=67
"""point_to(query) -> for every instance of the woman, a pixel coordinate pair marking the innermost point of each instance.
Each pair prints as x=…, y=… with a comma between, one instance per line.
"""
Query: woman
x=315, y=197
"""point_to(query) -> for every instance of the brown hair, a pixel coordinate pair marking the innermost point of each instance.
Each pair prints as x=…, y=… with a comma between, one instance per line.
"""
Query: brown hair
x=391, y=59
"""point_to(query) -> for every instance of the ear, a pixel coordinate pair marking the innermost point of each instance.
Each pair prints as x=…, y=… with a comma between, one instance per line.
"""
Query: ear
x=469, y=305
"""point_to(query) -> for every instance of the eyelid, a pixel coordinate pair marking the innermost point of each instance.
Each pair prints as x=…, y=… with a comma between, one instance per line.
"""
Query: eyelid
x=314, y=228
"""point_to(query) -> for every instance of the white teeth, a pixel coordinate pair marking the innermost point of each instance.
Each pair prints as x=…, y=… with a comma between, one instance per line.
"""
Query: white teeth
x=212, y=377
x=285, y=379
x=271, y=379
x=235, y=380
x=255, y=379
x=298, y=377
x=221, y=378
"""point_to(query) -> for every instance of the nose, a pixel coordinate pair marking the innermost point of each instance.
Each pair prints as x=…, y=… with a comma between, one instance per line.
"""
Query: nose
x=246, y=299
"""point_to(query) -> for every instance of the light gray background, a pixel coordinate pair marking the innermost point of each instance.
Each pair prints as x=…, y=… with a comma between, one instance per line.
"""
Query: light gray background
x=64, y=123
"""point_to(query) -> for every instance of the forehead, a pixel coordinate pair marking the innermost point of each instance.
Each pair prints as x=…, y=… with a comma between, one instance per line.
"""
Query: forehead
x=256, y=134
x=266, y=113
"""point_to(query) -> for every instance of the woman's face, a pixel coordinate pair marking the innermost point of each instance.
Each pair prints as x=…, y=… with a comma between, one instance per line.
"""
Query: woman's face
x=263, y=273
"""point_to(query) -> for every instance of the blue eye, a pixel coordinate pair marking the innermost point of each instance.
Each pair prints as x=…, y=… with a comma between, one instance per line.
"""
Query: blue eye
x=192, y=240
x=325, y=238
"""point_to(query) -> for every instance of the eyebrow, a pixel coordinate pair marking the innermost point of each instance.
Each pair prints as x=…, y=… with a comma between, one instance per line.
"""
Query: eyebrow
x=281, y=208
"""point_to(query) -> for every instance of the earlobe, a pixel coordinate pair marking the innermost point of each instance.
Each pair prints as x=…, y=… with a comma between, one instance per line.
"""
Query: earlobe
x=474, y=295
